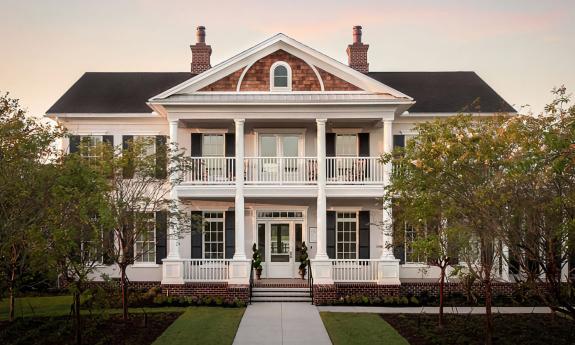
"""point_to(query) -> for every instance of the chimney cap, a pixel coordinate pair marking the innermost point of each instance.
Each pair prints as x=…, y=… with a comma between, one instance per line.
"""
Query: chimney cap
x=201, y=34
x=357, y=34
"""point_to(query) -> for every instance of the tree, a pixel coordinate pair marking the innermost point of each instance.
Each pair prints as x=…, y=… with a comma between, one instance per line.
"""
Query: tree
x=139, y=198
x=450, y=171
x=74, y=225
x=25, y=148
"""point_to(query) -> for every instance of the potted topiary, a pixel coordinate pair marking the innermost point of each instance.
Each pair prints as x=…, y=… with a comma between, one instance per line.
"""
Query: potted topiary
x=303, y=261
x=257, y=261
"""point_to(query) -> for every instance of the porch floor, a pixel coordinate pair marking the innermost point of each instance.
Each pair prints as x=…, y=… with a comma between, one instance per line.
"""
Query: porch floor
x=281, y=283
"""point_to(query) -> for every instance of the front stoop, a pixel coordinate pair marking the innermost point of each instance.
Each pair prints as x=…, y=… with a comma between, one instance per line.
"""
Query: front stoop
x=281, y=294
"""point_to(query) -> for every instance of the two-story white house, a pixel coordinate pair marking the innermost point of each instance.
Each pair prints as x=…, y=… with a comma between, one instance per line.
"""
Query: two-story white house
x=285, y=143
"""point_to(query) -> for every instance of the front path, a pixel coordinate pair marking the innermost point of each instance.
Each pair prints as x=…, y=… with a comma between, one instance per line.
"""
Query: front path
x=435, y=310
x=281, y=323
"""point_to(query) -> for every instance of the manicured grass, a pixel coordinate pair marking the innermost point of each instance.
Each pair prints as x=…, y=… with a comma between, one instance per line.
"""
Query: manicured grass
x=357, y=328
x=60, y=306
x=203, y=325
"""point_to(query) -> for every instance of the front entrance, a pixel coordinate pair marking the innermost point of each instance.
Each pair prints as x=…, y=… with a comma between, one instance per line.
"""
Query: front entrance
x=279, y=242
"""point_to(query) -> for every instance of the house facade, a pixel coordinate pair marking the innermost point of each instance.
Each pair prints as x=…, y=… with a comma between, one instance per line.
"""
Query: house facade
x=284, y=144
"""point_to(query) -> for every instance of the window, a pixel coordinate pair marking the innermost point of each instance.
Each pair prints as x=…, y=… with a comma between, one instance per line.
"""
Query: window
x=410, y=237
x=346, y=234
x=346, y=145
x=145, y=244
x=89, y=146
x=280, y=77
x=213, y=235
x=213, y=145
x=148, y=143
x=92, y=245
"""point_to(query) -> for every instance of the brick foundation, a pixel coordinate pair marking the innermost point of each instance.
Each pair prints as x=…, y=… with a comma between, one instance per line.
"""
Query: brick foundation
x=225, y=290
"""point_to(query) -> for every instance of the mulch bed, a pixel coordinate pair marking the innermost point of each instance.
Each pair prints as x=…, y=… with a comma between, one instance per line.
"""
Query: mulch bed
x=524, y=329
x=96, y=330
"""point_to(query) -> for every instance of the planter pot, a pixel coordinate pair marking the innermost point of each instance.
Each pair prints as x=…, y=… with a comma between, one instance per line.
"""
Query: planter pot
x=302, y=273
x=258, y=273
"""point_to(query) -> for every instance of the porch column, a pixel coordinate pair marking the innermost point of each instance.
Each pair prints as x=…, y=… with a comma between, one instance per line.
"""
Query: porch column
x=172, y=265
x=388, y=265
x=240, y=253
x=321, y=251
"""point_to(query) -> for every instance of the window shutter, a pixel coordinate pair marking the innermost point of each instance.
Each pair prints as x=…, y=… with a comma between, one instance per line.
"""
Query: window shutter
x=364, y=234
x=197, y=233
x=330, y=152
x=330, y=234
x=129, y=238
x=230, y=152
x=196, y=145
x=230, y=236
x=161, y=157
x=398, y=140
x=399, y=253
x=363, y=143
x=108, y=247
x=74, y=143
x=128, y=170
x=108, y=139
x=161, y=235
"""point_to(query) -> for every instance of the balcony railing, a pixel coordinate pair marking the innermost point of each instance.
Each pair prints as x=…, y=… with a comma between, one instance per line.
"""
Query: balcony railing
x=281, y=170
x=285, y=170
x=354, y=170
x=206, y=270
x=355, y=270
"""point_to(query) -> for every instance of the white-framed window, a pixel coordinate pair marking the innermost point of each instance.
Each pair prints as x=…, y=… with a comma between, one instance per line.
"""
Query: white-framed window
x=214, y=239
x=346, y=145
x=410, y=235
x=145, y=243
x=93, y=248
x=346, y=235
x=89, y=144
x=213, y=145
x=148, y=143
x=280, y=77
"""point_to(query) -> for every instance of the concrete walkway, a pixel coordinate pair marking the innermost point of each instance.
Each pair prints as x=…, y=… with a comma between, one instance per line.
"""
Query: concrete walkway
x=281, y=323
x=435, y=310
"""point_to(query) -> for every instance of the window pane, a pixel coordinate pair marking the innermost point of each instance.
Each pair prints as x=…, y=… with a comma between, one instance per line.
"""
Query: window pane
x=213, y=145
x=280, y=76
x=268, y=146
x=290, y=145
x=346, y=145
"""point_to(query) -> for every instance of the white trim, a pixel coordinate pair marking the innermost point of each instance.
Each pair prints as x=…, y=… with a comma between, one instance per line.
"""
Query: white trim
x=91, y=133
x=144, y=265
x=347, y=130
x=288, y=86
x=196, y=130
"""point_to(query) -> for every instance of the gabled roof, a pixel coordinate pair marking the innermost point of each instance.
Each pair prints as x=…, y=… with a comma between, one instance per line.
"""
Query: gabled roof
x=445, y=92
x=282, y=42
x=122, y=92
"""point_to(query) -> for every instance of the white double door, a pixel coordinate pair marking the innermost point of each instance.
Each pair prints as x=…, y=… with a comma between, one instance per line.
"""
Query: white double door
x=279, y=157
x=278, y=239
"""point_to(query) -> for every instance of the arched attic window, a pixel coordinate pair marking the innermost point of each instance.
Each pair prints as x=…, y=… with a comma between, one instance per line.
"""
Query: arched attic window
x=280, y=77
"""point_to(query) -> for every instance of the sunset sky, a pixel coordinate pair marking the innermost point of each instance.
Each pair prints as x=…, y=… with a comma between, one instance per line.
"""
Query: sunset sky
x=522, y=48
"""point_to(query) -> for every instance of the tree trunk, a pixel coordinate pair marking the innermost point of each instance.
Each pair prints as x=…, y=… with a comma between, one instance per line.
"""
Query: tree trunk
x=441, y=289
x=124, y=286
x=77, y=317
x=11, y=296
x=488, y=315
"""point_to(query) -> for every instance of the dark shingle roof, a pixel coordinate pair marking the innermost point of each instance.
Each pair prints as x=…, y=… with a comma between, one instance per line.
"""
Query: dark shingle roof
x=128, y=92
x=116, y=92
x=445, y=91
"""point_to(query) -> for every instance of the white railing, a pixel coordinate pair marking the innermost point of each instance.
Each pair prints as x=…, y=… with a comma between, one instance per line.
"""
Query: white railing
x=281, y=170
x=210, y=170
x=354, y=170
x=207, y=270
x=355, y=270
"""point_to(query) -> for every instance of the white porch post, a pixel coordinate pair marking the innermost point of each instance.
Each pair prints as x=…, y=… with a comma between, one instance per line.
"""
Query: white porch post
x=240, y=266
x=173, y=266
x=321, y=264
x=388, y=266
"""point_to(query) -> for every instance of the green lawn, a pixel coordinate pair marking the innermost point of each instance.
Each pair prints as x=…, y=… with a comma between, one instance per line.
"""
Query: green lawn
x=60, y=306
x=203, y=325
x=357, y=328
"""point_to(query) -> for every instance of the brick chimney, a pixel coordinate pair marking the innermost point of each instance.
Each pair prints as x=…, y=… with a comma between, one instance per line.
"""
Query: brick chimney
x=201, y=52
x=357, y=52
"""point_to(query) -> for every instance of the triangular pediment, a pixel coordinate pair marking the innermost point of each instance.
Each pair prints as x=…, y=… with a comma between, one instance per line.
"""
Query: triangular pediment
x=311, y=71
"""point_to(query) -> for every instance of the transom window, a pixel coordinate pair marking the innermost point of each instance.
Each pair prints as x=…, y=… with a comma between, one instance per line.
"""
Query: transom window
x=213, y=235
x=280, y=214
x=280, y=77
x=145, y=244
x=346, y=145
x=213, y=145
x=346, y=234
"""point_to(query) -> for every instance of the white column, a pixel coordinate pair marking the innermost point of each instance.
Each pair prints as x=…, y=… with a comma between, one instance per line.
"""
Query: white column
x=321, y=252
x=240, y=253
x=173, y=240
x=387, y=251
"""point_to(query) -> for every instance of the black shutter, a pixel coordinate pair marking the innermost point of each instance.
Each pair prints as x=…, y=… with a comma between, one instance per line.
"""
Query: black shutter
x=399, y=253
x=74, y=143
x=363, y=164
x=108, y=247
x=330, y=152
x=128, y=169
x=128, y=231
x=197, y=233
x=161, y=157
x=364, y=238
x=398, y=140
x=196, y=145
x=330, y=234
x=230, y=227
x=161, y=235
x=108, y=139
x=230, y=152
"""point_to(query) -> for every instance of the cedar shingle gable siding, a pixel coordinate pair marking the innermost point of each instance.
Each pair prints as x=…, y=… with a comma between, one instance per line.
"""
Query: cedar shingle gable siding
x=257, y=78
x=333, y=83
x=227, y=83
